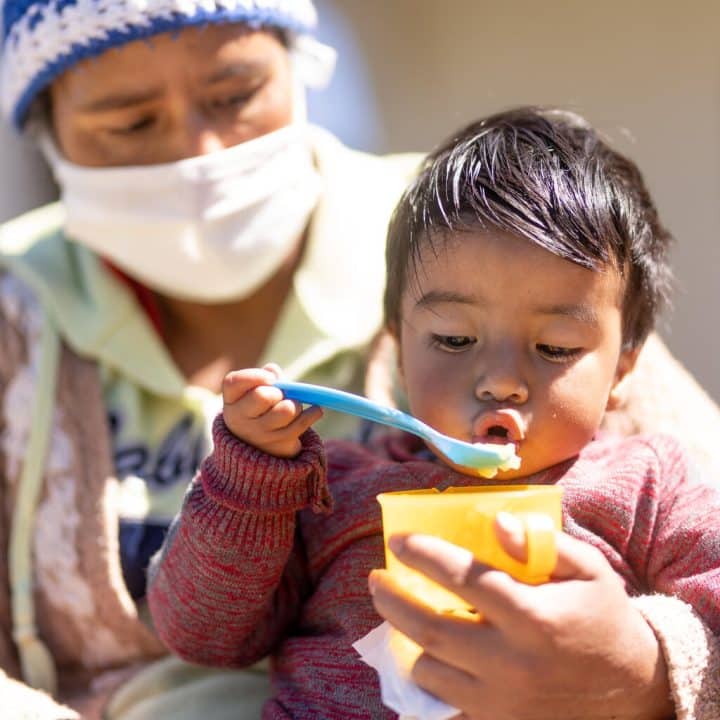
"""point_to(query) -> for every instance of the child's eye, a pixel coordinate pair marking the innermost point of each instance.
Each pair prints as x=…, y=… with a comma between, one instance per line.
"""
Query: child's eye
x=557, y=353
x=453, y=343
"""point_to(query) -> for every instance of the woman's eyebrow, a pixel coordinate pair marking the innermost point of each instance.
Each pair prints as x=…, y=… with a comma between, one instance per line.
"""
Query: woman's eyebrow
x=123, y=99
x=119, y=100
x=232, y=70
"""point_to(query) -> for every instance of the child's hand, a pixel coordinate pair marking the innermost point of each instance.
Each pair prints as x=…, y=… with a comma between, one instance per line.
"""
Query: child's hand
x=257, y=413
x=574, y=647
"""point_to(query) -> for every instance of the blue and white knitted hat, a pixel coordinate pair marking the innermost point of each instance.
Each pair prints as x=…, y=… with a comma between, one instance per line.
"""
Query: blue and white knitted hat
x=42, y=38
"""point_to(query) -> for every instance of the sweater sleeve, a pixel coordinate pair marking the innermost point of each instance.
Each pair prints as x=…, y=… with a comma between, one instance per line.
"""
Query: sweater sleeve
x=683, y=557
x=231, y=576
x=692, y=655
x=683, y=563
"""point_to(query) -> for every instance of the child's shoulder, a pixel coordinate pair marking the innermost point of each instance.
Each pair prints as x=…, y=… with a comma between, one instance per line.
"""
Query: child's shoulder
x=651, y=456
x=612, y=445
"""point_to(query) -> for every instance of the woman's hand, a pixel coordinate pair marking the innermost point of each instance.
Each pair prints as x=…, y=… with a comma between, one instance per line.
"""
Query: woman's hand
x=257, y=412
x=572, y=648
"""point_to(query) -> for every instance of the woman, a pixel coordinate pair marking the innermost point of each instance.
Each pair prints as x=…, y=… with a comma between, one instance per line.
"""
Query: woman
x=178, y=270
x=202, y=226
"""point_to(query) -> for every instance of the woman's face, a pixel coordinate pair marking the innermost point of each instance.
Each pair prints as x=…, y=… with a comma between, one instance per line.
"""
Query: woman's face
x=171, y=97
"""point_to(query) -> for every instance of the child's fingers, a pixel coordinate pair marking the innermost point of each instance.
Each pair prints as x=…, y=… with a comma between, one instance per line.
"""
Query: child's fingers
x=308, y=417
x=275, y=369
x=285, y=442
x=281, y=415
x=264, y=403
x=239, y=382
x=297, y=425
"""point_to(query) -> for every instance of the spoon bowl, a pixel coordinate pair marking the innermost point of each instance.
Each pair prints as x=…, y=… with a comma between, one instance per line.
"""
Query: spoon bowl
x=483, y=459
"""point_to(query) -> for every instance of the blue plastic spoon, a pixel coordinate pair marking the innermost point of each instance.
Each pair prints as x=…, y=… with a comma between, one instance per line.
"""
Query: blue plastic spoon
x=484, y=459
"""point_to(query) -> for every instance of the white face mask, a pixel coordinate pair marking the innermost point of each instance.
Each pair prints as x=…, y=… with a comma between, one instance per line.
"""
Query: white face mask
x=210, y=228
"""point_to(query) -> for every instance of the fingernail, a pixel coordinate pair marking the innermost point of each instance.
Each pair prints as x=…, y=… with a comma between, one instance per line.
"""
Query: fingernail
x=397, y=544
x=508, y=522
x=371, y=583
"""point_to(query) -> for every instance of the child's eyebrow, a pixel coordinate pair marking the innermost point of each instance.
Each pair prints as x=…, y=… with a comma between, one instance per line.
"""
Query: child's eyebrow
x=582, y=313
x=436, y=297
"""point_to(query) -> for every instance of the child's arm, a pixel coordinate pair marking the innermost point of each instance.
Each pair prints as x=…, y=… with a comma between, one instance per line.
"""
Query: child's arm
x=230, y=578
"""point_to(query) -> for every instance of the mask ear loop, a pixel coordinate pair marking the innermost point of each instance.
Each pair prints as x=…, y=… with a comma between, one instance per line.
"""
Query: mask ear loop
x=313, y=61
x=312, y=65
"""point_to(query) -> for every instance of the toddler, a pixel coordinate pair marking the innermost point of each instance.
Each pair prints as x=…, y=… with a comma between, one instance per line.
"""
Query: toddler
x=526, y=265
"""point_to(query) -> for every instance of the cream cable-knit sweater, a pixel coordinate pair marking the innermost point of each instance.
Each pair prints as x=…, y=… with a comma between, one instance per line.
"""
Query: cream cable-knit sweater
x=83, y=610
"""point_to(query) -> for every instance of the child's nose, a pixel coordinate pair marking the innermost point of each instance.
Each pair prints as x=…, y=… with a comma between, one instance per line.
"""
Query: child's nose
x=502, y=383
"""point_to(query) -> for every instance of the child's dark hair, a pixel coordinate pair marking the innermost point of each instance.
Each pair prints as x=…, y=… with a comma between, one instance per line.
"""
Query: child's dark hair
x=547, y=176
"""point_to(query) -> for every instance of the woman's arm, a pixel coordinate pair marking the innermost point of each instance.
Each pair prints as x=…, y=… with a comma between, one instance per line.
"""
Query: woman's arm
x=230, y=576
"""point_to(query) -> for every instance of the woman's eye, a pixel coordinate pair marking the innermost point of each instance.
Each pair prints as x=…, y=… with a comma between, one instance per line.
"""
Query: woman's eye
x=136, y=127
x=557, y=353
x=230, y=101
x=453, y=343
x=233, y=100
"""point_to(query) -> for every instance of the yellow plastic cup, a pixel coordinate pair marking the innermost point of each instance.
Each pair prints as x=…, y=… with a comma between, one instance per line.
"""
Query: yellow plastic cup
x=465, y=517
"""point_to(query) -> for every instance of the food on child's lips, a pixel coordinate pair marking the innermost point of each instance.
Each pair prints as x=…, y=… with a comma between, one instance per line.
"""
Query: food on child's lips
x=511, y=461
x=477, y=460
x=501, y=429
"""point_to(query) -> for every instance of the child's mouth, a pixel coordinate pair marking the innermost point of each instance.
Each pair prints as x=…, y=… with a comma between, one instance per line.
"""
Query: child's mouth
x=499, y=427
x=496, y=434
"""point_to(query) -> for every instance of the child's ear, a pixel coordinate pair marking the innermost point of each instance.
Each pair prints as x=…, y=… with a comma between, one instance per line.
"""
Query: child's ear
x=625, y=365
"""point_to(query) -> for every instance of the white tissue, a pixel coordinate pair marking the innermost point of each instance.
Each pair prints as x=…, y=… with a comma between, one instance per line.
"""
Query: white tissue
x=393, y=655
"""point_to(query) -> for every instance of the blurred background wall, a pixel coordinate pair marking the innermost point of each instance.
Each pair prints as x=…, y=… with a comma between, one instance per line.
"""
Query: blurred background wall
x=645, y=72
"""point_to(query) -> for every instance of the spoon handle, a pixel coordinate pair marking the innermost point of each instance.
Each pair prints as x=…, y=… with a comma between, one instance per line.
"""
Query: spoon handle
x=353, y=404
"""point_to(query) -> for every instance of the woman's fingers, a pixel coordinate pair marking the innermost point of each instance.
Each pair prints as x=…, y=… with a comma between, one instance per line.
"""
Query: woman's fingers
x=575, y=559
x=492, y=592
x=449, y=684
x=508, y=606
x=539, y=646
x=458, y=640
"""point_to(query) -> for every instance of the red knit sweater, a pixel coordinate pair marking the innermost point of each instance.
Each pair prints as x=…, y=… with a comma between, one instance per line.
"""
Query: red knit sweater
x=260, y=562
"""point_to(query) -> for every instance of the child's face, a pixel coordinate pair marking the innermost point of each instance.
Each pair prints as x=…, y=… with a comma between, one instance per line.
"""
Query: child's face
x=502, y=341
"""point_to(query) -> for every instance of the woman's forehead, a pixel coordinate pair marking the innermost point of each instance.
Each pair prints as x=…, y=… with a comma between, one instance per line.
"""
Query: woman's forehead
x=199, y=54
